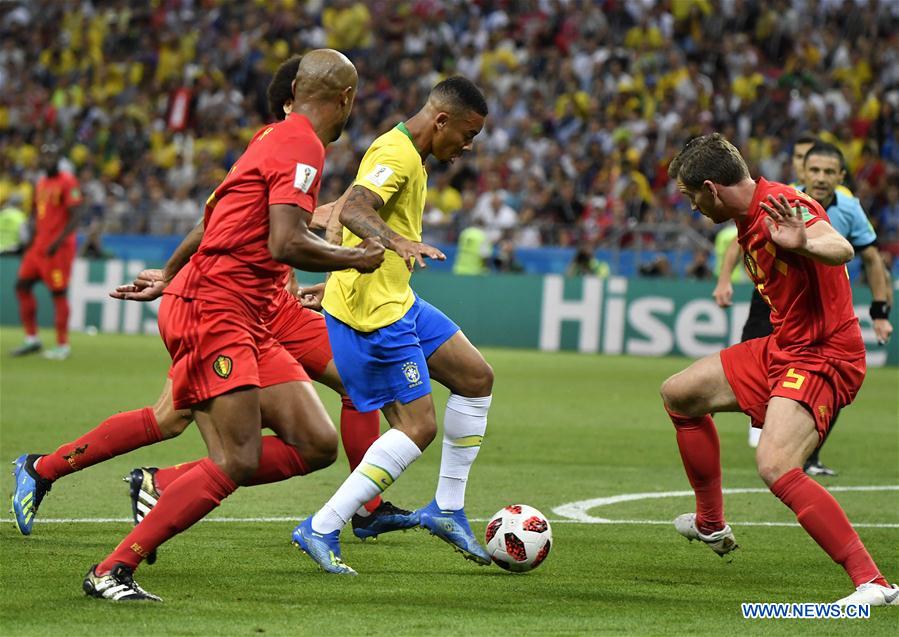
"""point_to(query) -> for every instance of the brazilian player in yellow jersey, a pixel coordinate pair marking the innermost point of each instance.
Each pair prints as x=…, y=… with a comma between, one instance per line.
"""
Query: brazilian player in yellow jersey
x=388, y=343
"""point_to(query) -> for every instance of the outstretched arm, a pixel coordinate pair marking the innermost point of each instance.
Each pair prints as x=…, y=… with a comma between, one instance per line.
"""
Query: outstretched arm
x=360, y=215
x=290, y=241
x=149, y=284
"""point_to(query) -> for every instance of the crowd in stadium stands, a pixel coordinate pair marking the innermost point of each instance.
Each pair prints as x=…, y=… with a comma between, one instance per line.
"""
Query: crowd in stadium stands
x=153, y=101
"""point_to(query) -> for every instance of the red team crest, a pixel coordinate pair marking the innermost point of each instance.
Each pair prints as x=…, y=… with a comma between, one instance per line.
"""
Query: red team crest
x=222, y=366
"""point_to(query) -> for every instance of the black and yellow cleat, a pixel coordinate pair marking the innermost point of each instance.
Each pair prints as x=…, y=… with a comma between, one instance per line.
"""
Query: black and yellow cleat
x=142, y=489
x=117, y=585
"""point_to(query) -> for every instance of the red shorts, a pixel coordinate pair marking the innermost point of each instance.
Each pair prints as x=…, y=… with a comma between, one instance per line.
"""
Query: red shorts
x=54, y=271
x=302, y=332
x=819, y=379
x=217, y=347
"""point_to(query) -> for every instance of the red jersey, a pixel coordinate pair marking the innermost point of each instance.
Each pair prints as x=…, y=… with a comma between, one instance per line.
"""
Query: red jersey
x=811, y=303
x=282, y=165
x=55, y=197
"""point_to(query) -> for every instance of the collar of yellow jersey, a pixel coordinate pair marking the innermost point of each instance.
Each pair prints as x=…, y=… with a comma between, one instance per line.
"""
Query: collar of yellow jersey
x=405, y=131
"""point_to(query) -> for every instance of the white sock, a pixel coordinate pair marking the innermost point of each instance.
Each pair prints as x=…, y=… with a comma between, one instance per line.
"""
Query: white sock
x=464, y=424
x=31, y=339
x=381, y=465
x=754, y=434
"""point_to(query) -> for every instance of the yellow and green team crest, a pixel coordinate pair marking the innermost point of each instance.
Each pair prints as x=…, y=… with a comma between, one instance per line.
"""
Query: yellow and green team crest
x=222, y=366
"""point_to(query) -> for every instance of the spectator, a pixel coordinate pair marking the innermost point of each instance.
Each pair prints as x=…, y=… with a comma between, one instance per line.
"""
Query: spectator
x=699, y=268
x=657, y=268
x=585, y=263
x=504, y=259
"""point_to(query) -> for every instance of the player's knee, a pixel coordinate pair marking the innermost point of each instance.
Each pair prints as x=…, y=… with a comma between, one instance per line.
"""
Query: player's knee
x=475, y=382
x=421, y=433
x=24, y=285
x=242, y=463
x=173, y=423
x=321, y=449
x=481, y=382
x=673, y=395
x=771, y=467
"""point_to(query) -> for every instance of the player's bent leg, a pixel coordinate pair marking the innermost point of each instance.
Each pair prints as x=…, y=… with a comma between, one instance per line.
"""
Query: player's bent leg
x=689, y=397
x=172, y=422
x=700, y=389
x=34, y=473
x=790, y=435
x=230, y=426
x=296, y=414
x=461, y=368
x=458, y=365
x=145, y=484
x=414, y=426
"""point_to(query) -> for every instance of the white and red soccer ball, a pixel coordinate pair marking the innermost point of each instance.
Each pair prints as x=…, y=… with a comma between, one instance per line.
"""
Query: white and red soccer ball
x=518, y=538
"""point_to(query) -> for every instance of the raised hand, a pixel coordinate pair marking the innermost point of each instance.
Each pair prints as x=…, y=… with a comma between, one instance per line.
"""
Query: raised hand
x=785, y=224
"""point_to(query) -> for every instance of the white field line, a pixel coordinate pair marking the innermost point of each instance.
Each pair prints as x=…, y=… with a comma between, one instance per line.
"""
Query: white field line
x=571, y=513
x=577, y=511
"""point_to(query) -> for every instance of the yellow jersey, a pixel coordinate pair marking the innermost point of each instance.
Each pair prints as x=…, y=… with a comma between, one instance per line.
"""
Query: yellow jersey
x=391, y=168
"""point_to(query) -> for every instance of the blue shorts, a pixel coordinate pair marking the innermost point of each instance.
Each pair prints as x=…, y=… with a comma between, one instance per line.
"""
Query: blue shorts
x=390, y=363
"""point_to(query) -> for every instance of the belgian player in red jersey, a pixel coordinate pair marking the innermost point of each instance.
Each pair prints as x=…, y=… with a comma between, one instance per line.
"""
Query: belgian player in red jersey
x=50, y=254
x=791, y=381
x=226, y=366
x=301, y=331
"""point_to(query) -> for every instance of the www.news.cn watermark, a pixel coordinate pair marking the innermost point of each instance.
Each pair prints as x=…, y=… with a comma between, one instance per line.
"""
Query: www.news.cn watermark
x=804, y=611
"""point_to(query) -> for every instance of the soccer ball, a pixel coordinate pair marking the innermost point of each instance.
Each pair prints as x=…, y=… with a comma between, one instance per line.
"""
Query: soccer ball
x=518, y=538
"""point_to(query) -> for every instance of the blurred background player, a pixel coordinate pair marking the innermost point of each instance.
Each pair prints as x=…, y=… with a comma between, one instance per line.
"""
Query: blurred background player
x=388, y=343
x=792, y=381
x=823, y=173
x=50, y=253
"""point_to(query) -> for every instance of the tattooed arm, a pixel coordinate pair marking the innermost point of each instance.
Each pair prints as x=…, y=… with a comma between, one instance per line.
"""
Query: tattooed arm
x=360, y=215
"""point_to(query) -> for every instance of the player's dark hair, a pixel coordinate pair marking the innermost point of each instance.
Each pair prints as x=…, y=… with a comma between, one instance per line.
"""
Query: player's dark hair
x=828, y=150
x=806, y=138
x=461, y=94
x=709, y=157
x=280, y=90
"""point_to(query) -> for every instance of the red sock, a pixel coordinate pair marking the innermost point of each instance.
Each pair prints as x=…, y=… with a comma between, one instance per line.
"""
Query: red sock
x=358, y=431
x=279, y=461
x=61, y=317
x=114, y=436
x=186, y=502
x=697, y=440
x=27, y=310
x=822, y=517
x=167, y=475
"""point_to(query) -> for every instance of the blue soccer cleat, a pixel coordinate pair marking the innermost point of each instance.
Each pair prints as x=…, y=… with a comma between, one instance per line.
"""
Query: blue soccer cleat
x=384, y=519
x=29, y=491
x=452, y=527
x=323, y=548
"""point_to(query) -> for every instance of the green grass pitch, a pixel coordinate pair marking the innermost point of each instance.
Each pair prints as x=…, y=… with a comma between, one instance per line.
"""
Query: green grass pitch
x=563, y=428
